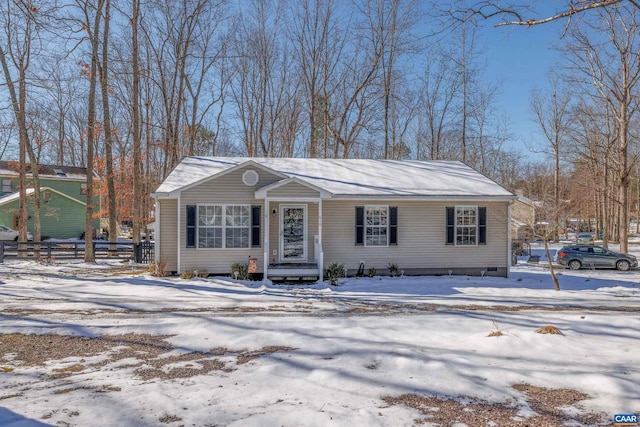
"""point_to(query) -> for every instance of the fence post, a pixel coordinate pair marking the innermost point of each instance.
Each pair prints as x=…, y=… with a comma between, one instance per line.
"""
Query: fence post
x=49, y=251
x=137, y=253
x=1, y=252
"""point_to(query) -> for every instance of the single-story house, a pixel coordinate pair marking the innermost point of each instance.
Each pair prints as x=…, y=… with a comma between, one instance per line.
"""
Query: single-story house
x=291, y=217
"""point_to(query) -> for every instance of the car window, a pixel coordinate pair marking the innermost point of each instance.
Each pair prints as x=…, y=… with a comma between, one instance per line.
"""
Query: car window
x=599, y=251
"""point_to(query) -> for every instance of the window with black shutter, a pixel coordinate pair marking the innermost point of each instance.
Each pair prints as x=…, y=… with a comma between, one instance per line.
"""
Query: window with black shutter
x=191, y=226
x=255, y=225
x=482, y=226
x=451, y=224
x=393, y=225
x=359, y=225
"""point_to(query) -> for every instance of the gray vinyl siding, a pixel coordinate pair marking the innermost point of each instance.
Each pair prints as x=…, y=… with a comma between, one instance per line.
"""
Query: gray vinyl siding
x=168, y=233
x=421, y=238
x=227, y=189
x=293, y=189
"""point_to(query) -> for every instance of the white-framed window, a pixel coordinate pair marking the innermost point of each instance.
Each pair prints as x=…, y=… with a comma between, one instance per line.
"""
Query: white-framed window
x=376, y=225
x=466, y=222
x=6, y=186
x=223, y=226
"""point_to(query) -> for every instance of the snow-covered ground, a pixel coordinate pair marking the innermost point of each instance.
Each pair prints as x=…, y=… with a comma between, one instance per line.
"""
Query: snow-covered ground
x=314, y=354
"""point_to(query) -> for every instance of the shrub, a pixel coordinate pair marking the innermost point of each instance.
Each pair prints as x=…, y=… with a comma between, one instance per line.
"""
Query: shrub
x=393, y=269
x=372, y=272
x=204, y=273
x=242, y=270
x=159, y=268
x=187, y=274
x=333, y=272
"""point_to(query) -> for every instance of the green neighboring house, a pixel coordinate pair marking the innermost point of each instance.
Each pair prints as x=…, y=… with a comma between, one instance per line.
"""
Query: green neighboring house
x=63, y=195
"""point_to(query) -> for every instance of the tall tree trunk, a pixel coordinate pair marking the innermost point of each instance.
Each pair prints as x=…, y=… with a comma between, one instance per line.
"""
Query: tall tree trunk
x=135, y=111
x=89, y=254
x=108, y=138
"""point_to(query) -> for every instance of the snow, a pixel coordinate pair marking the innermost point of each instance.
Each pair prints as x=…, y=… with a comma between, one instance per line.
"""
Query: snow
x=353, y=344
x=349, y=177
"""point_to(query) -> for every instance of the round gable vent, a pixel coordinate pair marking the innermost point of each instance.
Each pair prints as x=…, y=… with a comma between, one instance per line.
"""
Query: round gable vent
x=250, y=178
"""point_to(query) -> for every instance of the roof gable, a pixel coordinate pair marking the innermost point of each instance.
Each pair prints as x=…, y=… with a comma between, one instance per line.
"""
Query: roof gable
x=9, y=198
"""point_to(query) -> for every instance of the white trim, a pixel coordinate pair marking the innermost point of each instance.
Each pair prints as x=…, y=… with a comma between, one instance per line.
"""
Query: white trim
x=364, y=242
x=455, y=225
x=320, y=256
x=11, y=197
x=262, y=192
x=265, y=241
x=156, y=234
x=294, y=199
x=223, y=226
x=281, y=234
x=387, y=198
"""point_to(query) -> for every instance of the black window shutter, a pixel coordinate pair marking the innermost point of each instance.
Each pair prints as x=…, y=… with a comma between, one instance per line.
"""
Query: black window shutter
x=482, y=226
x=191, y=226
x=393, y=225
x=451, y=220
x=359, y=225
x=255, y=225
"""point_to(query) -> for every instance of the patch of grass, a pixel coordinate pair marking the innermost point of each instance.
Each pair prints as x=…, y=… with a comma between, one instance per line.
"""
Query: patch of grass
x=72, y=368
x=497, y=330
x=549, y=329
x=5, y=369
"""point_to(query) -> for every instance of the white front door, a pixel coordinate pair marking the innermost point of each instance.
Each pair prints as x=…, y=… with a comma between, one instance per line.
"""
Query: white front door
x=293, y=233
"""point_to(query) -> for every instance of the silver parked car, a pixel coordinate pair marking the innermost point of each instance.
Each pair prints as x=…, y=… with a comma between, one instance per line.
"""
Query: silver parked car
x=585, y=238
x=591, y=256
x=7, y=233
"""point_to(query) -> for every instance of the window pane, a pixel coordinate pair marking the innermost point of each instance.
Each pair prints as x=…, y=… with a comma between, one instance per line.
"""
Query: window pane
x=210, y=237
x=376, y=226
x=466, y=225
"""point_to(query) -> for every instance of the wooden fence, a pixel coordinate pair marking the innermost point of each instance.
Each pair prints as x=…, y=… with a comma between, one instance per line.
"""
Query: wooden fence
x=142, y=253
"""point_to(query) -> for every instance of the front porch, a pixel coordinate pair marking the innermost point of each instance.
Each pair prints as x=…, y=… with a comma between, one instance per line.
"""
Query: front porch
x=293, y=272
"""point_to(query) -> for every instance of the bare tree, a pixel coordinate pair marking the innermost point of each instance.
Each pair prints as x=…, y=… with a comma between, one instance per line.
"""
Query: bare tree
x=265, y=89
x=552, y=115
x=438, y=92
x=613, y=70
x=92, y=14
x=522, y=14
x=23, y=22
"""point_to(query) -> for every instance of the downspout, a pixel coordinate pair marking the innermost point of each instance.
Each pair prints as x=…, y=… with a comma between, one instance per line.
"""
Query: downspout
x=509, y=245
x=321, y=254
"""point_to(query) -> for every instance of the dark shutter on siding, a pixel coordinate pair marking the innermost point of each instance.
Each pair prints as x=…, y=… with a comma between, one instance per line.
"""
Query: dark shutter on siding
x=359, y=225
x=255, y=225
x=393, y=225
x=191, y=226
x=482, y=226
x=451, y=223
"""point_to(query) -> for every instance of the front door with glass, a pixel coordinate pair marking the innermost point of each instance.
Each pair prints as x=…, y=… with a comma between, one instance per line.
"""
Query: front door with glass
x=293, y=233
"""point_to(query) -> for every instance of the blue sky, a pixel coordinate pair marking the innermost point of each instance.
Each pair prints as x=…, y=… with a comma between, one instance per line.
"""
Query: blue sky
x=521, y=59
